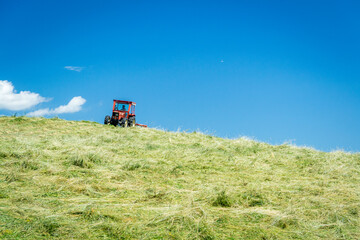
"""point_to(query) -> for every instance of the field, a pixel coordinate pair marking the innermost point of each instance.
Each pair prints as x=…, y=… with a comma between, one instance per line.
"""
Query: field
x=83, y=180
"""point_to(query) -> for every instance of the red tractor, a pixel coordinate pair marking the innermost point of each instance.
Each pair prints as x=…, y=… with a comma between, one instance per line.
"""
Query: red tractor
x=123, y=114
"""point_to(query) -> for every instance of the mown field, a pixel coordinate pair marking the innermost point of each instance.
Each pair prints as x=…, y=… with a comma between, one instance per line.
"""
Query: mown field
x=83, y=180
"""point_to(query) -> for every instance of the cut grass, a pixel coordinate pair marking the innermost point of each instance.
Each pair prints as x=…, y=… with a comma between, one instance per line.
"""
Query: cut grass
x=83, y=180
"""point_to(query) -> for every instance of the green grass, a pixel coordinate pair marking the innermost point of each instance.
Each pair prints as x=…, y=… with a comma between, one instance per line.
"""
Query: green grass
x=83, y=180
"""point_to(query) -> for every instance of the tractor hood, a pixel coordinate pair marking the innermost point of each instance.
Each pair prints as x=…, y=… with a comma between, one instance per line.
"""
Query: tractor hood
x=119, y=114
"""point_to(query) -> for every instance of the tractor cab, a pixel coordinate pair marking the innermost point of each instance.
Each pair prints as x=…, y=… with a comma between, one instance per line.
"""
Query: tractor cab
x=121, y=107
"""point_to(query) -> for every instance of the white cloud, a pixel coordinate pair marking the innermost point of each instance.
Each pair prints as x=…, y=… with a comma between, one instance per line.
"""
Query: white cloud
x=73, y=68
x=74, y=105
x=10, y=100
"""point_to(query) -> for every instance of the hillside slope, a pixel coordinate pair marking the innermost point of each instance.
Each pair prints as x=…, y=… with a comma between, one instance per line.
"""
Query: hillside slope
x=83, y=180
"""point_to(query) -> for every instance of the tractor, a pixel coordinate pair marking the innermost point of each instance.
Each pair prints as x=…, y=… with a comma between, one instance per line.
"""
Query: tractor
x=123, y=114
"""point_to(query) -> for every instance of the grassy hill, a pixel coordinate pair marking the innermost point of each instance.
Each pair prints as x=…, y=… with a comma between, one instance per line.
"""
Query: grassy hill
x=83, y=180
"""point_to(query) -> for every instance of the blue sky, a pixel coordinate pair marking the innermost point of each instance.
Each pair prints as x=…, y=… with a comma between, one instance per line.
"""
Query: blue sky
x=276, y=71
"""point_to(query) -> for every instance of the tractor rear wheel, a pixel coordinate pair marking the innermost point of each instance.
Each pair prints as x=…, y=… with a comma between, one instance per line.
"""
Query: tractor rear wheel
x=107, y=120
x=124, y=123
x=132, y=122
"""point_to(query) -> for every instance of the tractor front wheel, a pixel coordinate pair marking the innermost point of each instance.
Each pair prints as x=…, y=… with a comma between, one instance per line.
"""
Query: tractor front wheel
x=124, y=123
x=107, y=120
